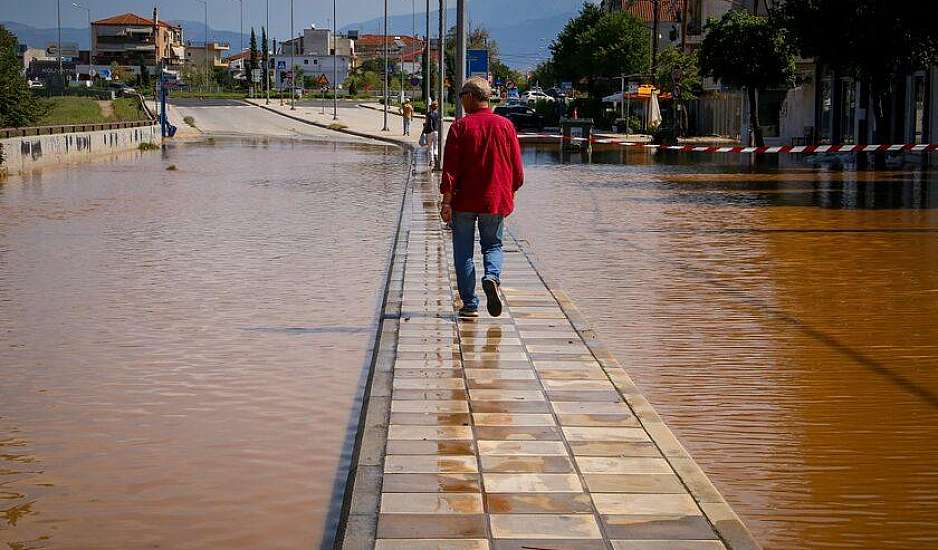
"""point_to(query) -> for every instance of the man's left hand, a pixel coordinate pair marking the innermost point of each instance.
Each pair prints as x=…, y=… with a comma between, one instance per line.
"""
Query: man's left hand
x=446, y=212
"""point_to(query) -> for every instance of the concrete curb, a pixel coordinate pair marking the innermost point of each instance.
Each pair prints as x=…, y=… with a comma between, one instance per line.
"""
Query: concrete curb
x=725, y=521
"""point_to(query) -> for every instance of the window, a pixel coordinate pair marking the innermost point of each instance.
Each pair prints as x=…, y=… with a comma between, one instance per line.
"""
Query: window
x=306, y=61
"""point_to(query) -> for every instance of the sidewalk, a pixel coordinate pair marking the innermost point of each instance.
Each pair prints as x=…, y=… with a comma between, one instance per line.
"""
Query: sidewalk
x=510, y=433
x=358, y=120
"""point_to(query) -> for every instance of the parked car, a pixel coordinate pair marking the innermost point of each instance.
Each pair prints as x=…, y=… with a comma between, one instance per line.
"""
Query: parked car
x=522, y=117
x=35, y=84
x=534, y=95
x=122, y=89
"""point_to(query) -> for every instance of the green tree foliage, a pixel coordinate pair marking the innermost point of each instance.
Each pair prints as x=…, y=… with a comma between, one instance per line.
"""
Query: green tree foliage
x=594, y=47
x=678, y=73
x=544, y=74
x=18, y=107
x=252, y=58
x=742, y=50
x=265, y=56
x=479, y=38
x=875, y=40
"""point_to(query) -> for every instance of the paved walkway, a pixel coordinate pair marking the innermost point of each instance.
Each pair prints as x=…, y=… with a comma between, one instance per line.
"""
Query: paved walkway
x=509, y=433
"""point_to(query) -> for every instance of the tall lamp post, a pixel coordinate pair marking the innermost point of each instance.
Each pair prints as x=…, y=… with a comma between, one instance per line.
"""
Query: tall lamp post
x=335, y=64
x=58, y=48
x=426, y=59
x=293, y=43
x=267, y=56
x=439, y=83
x=386, y=67
x=205, y=40
x=90, y=32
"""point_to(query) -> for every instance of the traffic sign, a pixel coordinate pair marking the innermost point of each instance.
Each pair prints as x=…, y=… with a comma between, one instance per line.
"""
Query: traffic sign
x=256, y=75
x=281, y=64
x=477, y=63
x=414, y=81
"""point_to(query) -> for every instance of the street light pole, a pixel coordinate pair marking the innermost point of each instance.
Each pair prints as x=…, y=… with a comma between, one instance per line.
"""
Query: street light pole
x=205, y=42
x=335, y=64
x=293, y=43
x=58, y=49
x=267, y=55
x=386, y=67
x=439, y=84
x=90, y=32
x=426, y=60
x=460, y=69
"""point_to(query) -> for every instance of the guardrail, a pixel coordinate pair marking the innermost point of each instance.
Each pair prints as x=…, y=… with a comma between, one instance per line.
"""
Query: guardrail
x=69, y=128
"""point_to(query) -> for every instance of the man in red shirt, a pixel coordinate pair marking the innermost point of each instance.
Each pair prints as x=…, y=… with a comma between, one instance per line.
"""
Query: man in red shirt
x=482, y=169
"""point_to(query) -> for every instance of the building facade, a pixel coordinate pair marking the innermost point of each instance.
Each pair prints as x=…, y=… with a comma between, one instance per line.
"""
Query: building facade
x=132, y=40
x=212, y=53
x=314, y=66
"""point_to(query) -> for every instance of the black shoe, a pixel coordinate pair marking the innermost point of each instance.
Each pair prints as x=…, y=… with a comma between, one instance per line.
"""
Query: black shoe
x=468, y=312
x=492, y=302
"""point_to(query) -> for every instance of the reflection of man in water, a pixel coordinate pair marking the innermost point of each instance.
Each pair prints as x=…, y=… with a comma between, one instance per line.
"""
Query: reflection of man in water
x=482, y=169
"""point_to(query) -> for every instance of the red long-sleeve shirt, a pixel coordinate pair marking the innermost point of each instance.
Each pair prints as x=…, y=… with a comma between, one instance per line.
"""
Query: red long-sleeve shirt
x=482, y=165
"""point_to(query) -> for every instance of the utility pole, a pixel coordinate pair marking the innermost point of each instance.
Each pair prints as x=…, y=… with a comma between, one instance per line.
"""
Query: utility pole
x=460, y=68
x=90, y=33
x=656, y=9
x=293, y=43
x=426, y=60
x=205, y=44
x=58, y=49
x=439, y=84
x=386, y=67
x=267, y=56
x=335, y=64
x=684, y=13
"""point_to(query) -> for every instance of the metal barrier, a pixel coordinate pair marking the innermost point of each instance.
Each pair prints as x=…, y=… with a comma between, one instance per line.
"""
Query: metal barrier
x=69, y=128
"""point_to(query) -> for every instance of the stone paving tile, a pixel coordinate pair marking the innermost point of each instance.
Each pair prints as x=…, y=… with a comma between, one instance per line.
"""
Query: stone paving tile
x=658, y=527
x=427, y=483
x=667, y=545
x=622, y=465
x=428, y=464
x=634, y=483
x=538, y=503
x=427, y=419
x=642, y=504
x=431, y=503
x=432, y=544
x=431, y=526
x=544, y=526
x=590, y=433
x=496, y=419
x=519, y=433
x=527, y=464
x=443, y=448
x=522, y=448
x=531, y=483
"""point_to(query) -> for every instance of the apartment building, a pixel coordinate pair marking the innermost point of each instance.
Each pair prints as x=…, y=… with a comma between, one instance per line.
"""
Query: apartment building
x=132, y=40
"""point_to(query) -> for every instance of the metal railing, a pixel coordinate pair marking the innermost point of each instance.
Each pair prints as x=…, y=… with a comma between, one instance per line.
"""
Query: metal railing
x=69, y=128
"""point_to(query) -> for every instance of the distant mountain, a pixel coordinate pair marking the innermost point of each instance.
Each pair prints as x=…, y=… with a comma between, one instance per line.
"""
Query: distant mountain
x=41, y=38
x=520, y=27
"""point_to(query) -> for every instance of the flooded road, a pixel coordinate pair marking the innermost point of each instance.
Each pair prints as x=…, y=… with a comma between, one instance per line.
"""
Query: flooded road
x=182, y=350
x=784, y=323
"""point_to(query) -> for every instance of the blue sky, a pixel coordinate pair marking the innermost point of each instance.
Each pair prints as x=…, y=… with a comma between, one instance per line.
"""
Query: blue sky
x=223, y=14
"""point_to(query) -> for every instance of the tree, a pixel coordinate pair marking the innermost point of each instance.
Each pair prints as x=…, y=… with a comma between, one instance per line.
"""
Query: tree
x=595, y=47
x=18, y=106
x=544, y=73
x=265, y=54
x=479, y=38
x=252, y=60
x=877, y=41
x=747, y=51
x=679, y=75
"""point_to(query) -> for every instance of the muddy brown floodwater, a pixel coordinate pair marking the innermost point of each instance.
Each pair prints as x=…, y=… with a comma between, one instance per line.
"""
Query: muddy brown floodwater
x=784, y=322
x=182, y=351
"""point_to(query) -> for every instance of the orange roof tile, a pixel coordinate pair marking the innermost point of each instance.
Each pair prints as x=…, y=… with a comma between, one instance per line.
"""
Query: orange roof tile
x=132, y=19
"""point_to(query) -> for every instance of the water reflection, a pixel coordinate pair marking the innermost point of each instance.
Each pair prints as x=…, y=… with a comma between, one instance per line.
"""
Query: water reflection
x=182, y=350
x=781, y=320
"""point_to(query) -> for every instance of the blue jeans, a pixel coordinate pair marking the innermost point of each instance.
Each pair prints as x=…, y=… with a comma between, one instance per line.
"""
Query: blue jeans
x=491, y=227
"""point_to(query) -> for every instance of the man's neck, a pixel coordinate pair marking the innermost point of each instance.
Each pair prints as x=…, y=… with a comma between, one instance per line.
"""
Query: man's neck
x=479, y=107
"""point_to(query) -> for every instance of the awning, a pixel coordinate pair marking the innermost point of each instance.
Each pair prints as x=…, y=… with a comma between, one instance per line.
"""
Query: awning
x=643, y=94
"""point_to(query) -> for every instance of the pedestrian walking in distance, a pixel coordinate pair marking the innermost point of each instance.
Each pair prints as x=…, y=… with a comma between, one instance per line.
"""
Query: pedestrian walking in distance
x=407, y=113
x=431, y=129
x=482, y=170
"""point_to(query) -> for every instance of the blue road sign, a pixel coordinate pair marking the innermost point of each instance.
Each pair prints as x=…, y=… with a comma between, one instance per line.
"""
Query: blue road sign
x=477, y=63
x=281, y=64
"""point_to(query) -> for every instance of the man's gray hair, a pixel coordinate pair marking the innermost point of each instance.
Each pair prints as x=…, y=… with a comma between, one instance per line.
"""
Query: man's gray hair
x=478, y=88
